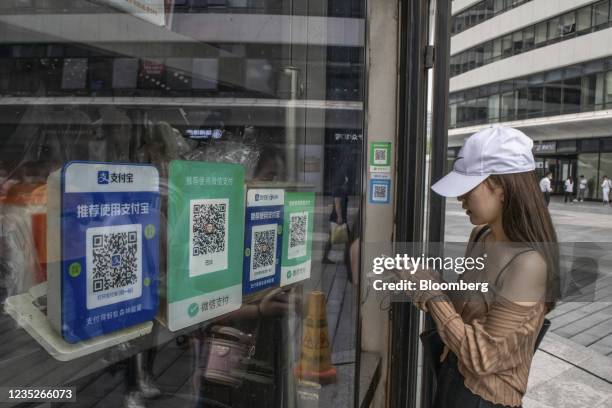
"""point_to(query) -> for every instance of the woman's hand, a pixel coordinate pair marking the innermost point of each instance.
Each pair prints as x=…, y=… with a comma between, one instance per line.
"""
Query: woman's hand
x=276, y=303
x=420, y=297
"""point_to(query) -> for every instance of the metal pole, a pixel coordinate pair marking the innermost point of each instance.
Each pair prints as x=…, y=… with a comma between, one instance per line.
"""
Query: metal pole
x=411, y=148
x=439, y=143
x=290, y=123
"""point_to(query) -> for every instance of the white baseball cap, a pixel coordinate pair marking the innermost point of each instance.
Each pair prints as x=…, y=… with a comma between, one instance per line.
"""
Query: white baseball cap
x=494, y=150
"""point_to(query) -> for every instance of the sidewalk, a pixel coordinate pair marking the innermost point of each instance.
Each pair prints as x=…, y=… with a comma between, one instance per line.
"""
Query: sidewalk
x=565, y=374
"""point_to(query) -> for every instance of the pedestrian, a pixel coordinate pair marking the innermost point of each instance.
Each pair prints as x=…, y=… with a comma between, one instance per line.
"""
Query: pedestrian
x=568, y=190
x=606, y=186
x=582, y=188
x=545, y=187
x=489, y=339
x=339, y=213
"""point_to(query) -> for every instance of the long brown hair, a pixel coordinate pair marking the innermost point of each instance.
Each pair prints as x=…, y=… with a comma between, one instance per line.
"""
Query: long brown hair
x=526, y=219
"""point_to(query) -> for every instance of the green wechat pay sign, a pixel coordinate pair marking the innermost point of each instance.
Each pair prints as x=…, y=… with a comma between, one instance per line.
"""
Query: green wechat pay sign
x=380, y=156
x=205, y=234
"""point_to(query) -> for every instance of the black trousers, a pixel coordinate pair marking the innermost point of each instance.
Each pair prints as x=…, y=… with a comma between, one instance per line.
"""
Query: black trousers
x=547, y=198
x=451, y=391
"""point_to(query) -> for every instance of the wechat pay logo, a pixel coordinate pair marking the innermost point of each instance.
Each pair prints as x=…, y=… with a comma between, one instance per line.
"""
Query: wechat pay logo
x=192, y=310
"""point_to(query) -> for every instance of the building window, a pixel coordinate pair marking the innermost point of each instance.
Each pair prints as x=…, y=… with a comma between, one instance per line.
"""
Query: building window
x=584, y=19
x=592, y=91
x=568, y=24
x=517, y=42
x=572, y=90
x=583, y=87
x=600, y=13
x=528, y=38
x=553, y=28
x=559, y=27
x=508, y=106
x=493, y=108
x=541, y=31
x=588, y=163
x=507, y=46
x=553, y=93
x=608, y=94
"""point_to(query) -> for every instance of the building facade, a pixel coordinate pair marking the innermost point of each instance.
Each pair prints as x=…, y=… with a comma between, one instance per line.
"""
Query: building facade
x=544, y=67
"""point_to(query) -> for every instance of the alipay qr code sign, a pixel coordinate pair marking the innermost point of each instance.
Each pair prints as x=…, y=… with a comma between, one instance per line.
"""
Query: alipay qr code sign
x=297, y=240
x=105, y=276
x=206, y=204
x=263, y=239
x=380, y=191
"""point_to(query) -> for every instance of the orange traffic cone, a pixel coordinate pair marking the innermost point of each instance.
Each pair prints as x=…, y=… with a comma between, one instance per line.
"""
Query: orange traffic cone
x=315, y=362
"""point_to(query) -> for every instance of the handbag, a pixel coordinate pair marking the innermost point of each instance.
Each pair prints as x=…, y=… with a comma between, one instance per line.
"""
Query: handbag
x=433, y=346
x=339, y=233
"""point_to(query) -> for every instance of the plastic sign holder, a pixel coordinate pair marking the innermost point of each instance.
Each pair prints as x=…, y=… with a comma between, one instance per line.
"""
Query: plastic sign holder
x=205, y=240
x=103, y=269
x=22, y=308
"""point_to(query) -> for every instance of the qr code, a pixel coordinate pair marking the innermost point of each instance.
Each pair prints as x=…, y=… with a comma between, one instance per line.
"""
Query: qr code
x=380, y=191
x=208, y=228
x=265, y=242
x=114, y=264
x=297, y=230
x=263, y=251
x=380, y=155
x=298, y=235
x=208, y=241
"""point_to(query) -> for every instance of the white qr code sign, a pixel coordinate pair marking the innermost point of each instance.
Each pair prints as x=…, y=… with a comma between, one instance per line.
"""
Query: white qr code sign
x=263, y=251
x=208, y=231
x=114, y=264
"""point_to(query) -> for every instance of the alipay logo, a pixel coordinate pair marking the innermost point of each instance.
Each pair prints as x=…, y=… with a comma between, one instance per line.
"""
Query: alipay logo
x=103, y=177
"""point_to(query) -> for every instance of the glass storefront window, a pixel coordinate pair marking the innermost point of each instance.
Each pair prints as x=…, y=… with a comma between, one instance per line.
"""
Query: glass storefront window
x=179, y=122
x=605, y=169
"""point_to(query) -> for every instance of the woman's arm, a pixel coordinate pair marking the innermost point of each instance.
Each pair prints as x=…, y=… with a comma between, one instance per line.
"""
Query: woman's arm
x=486, y=345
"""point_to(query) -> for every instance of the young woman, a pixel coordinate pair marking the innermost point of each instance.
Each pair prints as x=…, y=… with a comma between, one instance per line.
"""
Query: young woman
x=489, y=337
